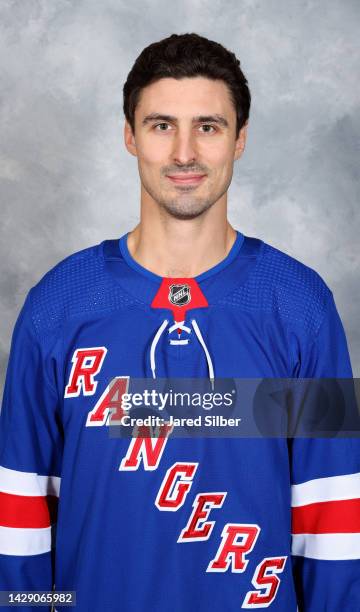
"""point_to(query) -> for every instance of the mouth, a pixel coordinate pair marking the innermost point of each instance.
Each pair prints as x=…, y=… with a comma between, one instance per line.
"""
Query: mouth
x=186, y=179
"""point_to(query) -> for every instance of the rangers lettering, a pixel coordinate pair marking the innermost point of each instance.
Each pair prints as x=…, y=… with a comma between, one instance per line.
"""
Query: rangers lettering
x=265, y=578
x=108, y=409
x=202, y=505
x=149, y=449
x=232, y=551
x=87, y=362
x=175, y=486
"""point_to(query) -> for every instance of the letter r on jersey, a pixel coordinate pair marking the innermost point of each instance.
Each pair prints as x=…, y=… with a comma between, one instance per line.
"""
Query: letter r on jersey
x=237, y=541
x=87, y=362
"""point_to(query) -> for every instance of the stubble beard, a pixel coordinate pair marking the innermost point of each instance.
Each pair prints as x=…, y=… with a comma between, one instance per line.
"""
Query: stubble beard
x=186, y=205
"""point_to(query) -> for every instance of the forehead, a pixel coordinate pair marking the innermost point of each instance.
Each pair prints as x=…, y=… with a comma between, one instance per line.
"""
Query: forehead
x=186, y=97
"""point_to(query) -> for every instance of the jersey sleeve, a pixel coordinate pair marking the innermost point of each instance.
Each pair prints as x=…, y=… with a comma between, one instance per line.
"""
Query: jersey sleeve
x=30, y=460
x=325, y=491
x=325, y=354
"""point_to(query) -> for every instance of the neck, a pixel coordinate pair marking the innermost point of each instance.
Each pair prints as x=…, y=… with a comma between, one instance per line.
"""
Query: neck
x=181, y=248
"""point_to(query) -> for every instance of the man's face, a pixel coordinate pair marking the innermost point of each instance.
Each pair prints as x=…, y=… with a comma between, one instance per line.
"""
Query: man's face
x=185, y=143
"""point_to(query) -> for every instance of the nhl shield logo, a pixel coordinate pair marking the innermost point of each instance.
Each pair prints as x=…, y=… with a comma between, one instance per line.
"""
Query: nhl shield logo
x=179, y=295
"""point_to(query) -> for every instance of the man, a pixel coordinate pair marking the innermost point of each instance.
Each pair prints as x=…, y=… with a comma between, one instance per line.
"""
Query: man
x=169, y=523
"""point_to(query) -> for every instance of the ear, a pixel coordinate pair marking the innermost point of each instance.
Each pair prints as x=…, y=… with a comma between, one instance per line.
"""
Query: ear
x=240, y=142
x=129, y=139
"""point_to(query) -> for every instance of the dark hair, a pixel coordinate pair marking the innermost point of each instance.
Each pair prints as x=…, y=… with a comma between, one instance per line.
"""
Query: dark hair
x=187, y=55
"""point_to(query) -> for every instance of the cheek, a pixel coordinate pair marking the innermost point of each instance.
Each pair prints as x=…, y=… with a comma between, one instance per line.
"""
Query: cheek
x=217, y=156
x=221, y=167
x=154, y=153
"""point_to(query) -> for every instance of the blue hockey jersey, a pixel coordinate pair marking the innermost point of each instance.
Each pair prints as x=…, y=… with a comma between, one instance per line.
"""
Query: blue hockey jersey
x=173, y=524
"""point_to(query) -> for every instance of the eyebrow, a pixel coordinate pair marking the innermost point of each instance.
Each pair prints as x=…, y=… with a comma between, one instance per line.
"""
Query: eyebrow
x=219, y=119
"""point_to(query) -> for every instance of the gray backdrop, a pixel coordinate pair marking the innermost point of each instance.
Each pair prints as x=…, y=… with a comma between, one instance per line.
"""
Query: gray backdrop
x=67, y=181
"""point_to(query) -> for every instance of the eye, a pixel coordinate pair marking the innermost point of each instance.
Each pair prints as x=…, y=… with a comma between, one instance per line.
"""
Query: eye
x=209, y=128
x=160, y=127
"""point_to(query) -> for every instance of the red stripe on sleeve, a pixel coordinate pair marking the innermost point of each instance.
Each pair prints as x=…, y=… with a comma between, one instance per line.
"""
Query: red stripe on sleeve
x=26, y=511
x=342, y=516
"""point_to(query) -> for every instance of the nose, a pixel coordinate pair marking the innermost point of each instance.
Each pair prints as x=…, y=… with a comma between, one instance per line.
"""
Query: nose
x=184, y=147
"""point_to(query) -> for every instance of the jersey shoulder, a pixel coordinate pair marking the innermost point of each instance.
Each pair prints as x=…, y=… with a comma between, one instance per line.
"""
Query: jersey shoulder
x=281, y=284
x=77, y=286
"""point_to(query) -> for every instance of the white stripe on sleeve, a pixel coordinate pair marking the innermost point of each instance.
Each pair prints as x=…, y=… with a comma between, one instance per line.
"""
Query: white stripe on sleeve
x=326, y=489
x=28, y=483
x=327, y=546
x=21, y=541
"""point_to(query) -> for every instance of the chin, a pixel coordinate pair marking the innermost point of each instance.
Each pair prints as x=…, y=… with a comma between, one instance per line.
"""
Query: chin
x=182, y=215
x=178, y=211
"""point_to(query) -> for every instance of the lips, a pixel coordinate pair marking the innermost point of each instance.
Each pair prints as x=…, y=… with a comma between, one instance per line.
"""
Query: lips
x=186, y=179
